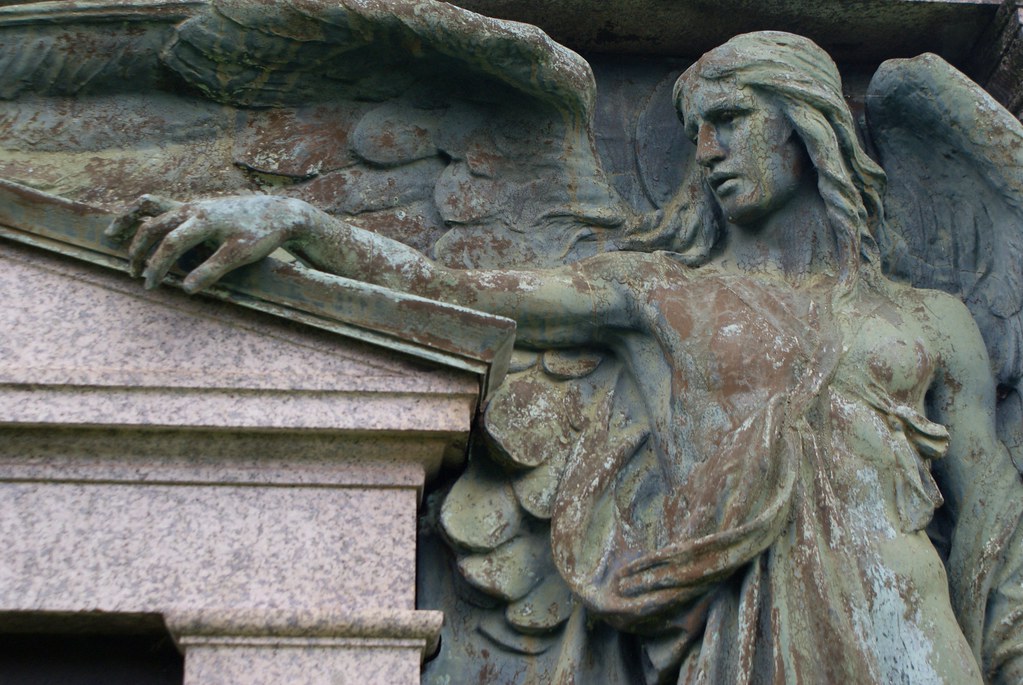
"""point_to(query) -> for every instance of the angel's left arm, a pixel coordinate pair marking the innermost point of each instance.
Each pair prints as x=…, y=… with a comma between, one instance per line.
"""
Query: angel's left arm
x=984, y=494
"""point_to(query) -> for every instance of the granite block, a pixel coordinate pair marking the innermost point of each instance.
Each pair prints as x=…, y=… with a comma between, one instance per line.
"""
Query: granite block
x=128, y=548
x=319, y=647
x=85, y=347
x=301, y=661
x=219, y=457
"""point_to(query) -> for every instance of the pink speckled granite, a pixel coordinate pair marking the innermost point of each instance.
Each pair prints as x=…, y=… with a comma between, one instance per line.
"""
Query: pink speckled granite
x=312, y=647
x=83, y=346
x=132, y=548
x=302, y=662
x=218, y=457
x=253, y=481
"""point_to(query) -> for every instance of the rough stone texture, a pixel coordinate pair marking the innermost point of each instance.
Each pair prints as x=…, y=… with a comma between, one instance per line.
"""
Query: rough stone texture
x=727, y=453
x=229, y=457
x=309, y=648
x=997, y=60
x=128, y=548
x=130, y=523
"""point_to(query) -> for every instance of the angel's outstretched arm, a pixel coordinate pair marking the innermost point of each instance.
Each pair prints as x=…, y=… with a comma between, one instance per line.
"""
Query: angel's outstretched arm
x=571, y=305
x=983, y=492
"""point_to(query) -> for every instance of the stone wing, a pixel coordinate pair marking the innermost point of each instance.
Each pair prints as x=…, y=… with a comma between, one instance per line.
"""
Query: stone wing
x=554, y=410
x=459, y=129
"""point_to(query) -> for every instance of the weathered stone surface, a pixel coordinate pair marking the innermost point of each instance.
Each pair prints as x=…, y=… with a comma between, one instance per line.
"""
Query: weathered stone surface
x=157, y=548
x=378, y=647
x=85, y=347
x=302, y=662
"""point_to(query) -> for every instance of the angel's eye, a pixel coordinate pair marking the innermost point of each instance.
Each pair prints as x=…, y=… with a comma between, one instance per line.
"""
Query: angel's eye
x=727, y=116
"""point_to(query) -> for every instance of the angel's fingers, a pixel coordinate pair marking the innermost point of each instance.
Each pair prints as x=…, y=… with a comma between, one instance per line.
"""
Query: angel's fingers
x=227, y=258
x=151, y=232
x=123, y=227
x=176, y=243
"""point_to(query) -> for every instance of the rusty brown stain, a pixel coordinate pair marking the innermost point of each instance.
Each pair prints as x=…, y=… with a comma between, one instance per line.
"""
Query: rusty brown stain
x=881, y=369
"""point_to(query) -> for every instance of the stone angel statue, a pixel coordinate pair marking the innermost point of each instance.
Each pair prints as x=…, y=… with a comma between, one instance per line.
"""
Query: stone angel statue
x=764, y=433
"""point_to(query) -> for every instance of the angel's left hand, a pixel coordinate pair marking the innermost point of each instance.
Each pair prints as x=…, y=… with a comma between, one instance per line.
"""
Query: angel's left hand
x=244, y=229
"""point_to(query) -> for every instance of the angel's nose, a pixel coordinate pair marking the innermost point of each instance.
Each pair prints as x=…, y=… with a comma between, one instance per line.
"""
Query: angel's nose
x=708, y=147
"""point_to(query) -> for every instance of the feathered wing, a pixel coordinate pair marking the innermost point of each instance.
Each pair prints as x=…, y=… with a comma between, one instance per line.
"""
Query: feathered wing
x=297, y=51
x=954, y=160
x=556, y=408
x=954, y=206
x=460, y=134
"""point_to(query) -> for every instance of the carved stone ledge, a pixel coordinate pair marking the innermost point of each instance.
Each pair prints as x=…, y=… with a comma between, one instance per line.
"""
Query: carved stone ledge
x=376, y=647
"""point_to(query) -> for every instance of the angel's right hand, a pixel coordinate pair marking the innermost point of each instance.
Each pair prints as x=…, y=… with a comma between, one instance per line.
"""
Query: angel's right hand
x=244, y=229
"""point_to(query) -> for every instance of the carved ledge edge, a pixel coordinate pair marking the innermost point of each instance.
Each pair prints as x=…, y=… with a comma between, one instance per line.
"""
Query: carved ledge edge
x=447, y=334
x=328, y=628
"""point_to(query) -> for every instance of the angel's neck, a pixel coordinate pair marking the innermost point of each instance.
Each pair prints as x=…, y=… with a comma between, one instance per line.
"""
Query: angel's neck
x=794, y=242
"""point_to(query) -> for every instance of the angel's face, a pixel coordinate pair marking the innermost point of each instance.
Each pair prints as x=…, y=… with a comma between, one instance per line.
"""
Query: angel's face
x=753, y=159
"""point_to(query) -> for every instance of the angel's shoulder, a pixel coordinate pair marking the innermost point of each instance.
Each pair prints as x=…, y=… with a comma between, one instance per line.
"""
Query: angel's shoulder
x=945, y=311
x=945, y=323
x=924, y=305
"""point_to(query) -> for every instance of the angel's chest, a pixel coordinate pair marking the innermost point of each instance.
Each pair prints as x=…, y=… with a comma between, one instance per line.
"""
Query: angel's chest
x=756, y=342
x=889, y=352
x=736, y=343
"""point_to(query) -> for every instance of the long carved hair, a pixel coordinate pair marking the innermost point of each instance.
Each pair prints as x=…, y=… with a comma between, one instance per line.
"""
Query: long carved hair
x=798, y=76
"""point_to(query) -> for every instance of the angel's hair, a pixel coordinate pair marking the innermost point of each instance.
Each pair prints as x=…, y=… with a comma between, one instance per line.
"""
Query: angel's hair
x=798, y=76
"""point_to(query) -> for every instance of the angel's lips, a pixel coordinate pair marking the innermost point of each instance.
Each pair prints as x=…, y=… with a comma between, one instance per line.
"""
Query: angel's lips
x=723, y=183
